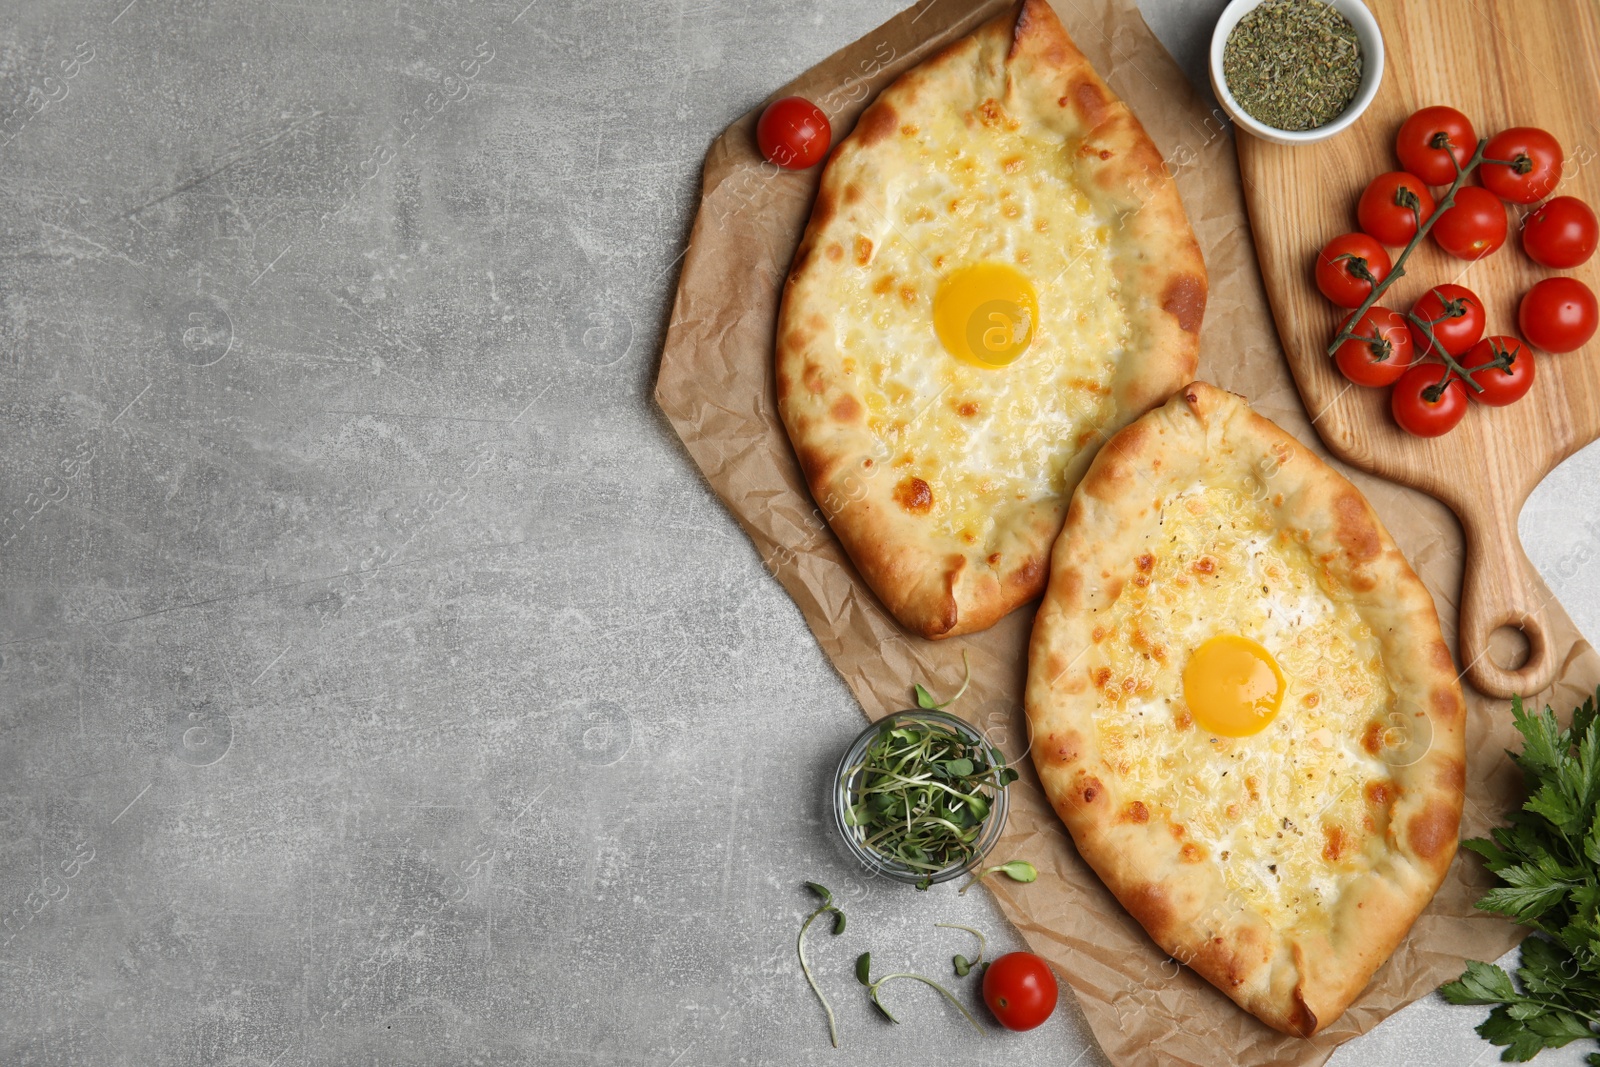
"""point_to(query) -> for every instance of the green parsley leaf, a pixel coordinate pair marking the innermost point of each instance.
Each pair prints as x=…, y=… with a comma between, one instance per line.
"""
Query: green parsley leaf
x=1548, y=864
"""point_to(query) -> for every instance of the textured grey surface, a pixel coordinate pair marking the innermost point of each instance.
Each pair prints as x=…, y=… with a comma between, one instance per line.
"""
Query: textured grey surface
x=380, y=682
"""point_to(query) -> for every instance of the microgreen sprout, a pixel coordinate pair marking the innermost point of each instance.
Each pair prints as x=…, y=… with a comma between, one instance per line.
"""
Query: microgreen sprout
x=864, y=976
x=827, y=905
x=1016, y=870
x=962, y=964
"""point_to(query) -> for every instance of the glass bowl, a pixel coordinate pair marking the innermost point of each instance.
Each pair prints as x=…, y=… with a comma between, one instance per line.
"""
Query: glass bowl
x=847, y=781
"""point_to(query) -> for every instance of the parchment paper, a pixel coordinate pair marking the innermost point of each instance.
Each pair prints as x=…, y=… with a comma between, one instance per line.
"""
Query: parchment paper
x=716, y=387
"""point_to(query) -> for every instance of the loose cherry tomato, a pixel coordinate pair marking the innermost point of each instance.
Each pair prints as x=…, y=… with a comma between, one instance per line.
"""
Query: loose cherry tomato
x=1386, y=207
x=793, y=133
x=1422, y=407
x=1534, y=167
x=1558, y=314
x=1456, y=315
x=1561, y=234
x=1342, y=263
x=1501, y=385
x=1429, y=138
x=1020, y=990
x=1474, y=226
x=1379, y=352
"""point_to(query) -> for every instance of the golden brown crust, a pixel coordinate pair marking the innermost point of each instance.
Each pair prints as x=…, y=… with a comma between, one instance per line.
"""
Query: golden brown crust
x=1021, y=66
x=1296, y=976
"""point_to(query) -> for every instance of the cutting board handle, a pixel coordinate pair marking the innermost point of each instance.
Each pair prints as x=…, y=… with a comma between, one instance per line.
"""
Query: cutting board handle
x=1497, y=590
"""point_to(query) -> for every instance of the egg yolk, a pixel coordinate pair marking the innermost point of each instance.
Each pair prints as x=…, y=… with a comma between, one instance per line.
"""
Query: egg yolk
x=985, y=313
x=1233, y=686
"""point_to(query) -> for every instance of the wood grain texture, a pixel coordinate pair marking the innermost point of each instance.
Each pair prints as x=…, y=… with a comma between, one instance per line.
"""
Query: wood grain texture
x=1504, y=63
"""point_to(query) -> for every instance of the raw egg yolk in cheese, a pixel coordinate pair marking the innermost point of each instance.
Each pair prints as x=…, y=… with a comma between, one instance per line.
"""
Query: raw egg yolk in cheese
x=984, y=313
x=1233, y=686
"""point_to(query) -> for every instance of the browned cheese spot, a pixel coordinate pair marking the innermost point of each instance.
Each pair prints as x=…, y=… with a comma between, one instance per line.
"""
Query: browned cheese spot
x=1357, y=532
x=1446, y=704
x=1372, y=738
x=1432, y=831
x=1135, y=811
x=877, y=123
x=863, y=250
x=1337, y=843
x=1090, y=99
x=1184, y=299
x=915, y=495
x=1089, y=790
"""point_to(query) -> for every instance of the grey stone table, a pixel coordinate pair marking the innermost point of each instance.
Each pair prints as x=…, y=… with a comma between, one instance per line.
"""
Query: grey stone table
x=381, y=684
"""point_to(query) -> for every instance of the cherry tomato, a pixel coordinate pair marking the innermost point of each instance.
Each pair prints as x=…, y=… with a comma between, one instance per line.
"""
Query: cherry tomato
x=1379, y=352
x=1474, y=226
x=1020, y=990
x=1341, y=264
x=1558, y=314
x=1385, y=209
x=1456, y=314
x=1422, y=408
x=1534, y=169
x=793, y=133
x=1561, y=234
x=1501, y=386
x=1429, y=138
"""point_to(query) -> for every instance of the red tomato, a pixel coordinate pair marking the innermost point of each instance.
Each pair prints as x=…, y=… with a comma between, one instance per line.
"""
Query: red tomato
x=1456, y=315
x=1342, y=263
x=1020, y=990
x=1533, y=168
x=1385, y=209
x=1474, y=226
x=1379, y=352
x=1429, y=138
x=1421, y=407
x=1558, y=314
x=793, y=133
x=1501, y=386
x=1562, y=234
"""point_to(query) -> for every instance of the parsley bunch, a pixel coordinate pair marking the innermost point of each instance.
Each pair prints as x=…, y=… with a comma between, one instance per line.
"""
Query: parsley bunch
x=1548, y=861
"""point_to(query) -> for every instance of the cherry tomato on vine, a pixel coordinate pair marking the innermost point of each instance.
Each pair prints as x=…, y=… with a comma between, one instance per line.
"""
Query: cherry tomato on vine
x=1421, y=143
x=1385, y=209
x=1456, y=315
x=1342, y=263
x=1379, y=352
x=1422, y=407
x=1534, y=168
x=1501, y=385
x=1558, y=314
x=1474, y=226
x=793, y=133
x=1561, y=234
x=1020, y=990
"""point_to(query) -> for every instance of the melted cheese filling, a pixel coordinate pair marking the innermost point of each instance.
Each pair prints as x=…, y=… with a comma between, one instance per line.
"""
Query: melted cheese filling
x=1288, y=814
x=977, y=190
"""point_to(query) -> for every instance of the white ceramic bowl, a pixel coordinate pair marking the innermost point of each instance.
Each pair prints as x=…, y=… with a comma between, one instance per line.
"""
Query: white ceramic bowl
x=1367, y=34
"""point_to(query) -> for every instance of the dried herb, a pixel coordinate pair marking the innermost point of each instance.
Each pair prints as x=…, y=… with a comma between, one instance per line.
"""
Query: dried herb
x=1293, y=64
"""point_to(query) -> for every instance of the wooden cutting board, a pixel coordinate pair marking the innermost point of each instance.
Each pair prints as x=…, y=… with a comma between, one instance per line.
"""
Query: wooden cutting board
x=1504, y=63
